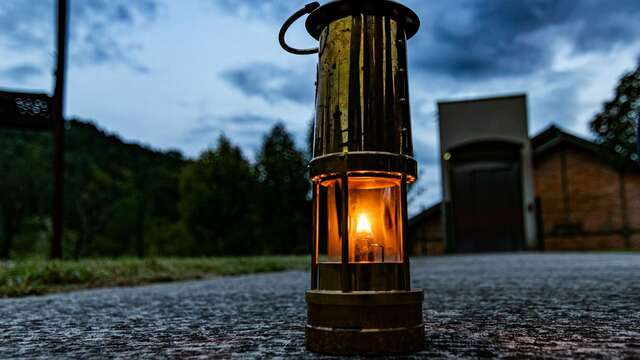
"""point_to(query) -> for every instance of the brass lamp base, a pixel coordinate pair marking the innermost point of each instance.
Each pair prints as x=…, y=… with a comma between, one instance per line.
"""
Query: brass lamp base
x=364, y=322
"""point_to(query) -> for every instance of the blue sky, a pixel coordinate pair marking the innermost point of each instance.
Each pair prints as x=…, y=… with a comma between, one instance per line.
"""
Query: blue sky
x=175, y=74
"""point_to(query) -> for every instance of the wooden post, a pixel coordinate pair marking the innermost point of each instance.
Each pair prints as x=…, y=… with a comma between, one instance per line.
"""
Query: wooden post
x=58, y=133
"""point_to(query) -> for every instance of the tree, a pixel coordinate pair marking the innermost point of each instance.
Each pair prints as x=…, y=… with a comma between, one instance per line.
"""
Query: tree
x=24, y=183
x=616, y=127
x=116, y=193
x=217, y=197
x=94, y=206
x=283, y=204
x=154, y=193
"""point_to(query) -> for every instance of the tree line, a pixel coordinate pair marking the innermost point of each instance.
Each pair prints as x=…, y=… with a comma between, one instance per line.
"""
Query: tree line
x=129, y=200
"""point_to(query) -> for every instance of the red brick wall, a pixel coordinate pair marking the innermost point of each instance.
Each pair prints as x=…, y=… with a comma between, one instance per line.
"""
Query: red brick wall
x=435, y=248
x=584, y=242
x=426, y=236
x=547, y=175
x=594, y=207
x=632, y=187
x=635, y=241
x=594, y=191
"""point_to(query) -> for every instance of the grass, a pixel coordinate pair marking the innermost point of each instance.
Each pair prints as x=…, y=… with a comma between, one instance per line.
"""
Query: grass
x=36, y=277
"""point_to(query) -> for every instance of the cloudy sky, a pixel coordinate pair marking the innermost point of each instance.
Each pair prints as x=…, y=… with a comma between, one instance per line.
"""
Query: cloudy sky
x=176, y=73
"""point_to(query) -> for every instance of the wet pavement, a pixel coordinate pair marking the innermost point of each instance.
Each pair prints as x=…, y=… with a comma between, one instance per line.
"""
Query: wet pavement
x=509, y=306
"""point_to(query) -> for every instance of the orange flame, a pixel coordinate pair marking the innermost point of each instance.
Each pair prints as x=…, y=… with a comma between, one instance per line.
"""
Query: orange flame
x=363, y=226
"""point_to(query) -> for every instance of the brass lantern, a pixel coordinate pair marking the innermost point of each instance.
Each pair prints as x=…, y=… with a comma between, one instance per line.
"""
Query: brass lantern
x=360, y=301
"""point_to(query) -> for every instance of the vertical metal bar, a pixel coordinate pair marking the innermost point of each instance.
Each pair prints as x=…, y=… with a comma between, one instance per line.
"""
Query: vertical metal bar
x=378, y=85
x=389, y=93
x=368, y=129
x=355, y=102
x=344, y=229
x=403, y=92
x=405, y=233
x=314, y=237
x=58, y=124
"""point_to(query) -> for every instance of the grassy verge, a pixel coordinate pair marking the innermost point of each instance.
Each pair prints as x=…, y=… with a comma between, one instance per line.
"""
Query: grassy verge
x=35, y=277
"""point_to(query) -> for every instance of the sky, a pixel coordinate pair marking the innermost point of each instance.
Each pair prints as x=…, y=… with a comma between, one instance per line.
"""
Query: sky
x=175, y=74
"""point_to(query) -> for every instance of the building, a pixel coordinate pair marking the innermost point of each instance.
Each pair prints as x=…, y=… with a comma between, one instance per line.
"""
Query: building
x=587, y=201
x=503, y=191
x=487, y=175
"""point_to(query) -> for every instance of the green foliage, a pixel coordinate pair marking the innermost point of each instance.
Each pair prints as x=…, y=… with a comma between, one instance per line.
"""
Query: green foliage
x=34, y=277
x=616, y=126
x=128, y=200
x=24, y=183
x=284, y=210
x=114, y=191
x=216, y=201
x=230, y=207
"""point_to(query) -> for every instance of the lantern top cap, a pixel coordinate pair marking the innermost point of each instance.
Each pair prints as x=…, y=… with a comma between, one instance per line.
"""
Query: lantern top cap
x=337, y=9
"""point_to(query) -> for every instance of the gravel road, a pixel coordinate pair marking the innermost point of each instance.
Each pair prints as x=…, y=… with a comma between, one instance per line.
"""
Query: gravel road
x=514, y=306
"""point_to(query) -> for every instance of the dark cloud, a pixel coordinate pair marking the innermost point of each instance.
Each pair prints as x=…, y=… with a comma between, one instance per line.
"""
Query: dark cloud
x=252, y=120
x=101, y=48
x=268, y=9
x=559, y=104
x=97, y=28
x=27, y=24
x=602, y=25
x=475, y=39
x=100, y=27
x=121, y=12
x=484, y=39
x=272, y=83
x=22, y=73
x=246, y=129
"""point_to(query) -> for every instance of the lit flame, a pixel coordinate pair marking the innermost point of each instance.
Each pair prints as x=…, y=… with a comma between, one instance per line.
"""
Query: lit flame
x=363, y=226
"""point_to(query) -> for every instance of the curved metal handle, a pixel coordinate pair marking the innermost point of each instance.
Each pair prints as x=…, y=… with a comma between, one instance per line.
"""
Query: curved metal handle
x=307, y=9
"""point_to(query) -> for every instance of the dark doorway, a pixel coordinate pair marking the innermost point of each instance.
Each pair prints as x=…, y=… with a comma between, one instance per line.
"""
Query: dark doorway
x=486, y=187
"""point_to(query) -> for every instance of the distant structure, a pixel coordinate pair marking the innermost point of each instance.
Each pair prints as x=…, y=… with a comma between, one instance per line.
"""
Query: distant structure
x=487, y=175
x=505, y=192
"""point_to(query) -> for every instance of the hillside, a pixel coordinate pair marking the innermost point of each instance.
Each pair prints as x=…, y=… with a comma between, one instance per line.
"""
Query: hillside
x=113, y=190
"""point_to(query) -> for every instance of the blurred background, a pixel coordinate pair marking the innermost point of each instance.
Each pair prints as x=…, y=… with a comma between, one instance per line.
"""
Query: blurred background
x=188, y=127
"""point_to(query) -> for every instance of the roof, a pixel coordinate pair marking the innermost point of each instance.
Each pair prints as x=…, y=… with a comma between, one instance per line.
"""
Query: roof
x=485, y=99
x=553, y=137
x=427, y=213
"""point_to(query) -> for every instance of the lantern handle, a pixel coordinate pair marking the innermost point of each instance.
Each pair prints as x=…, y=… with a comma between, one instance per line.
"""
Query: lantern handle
x=307, y=9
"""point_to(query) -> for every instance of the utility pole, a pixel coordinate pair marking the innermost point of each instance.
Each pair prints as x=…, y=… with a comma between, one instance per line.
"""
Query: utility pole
x=58, y=132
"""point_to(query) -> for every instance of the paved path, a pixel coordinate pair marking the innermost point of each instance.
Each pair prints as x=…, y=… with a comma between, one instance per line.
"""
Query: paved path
x=518, y=306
